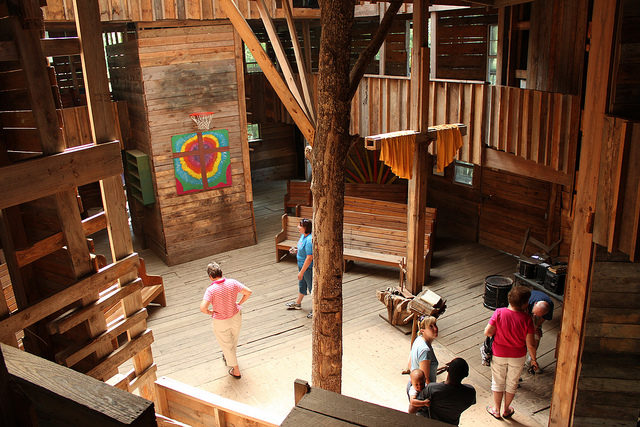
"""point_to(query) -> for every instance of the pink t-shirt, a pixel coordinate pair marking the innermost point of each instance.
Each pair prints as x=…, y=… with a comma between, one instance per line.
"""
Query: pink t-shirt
x=223, y=294
x=512, y=327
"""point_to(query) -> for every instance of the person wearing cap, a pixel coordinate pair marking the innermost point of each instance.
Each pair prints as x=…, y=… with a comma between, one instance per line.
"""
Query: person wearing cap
x=450, y=398
x=540, y=309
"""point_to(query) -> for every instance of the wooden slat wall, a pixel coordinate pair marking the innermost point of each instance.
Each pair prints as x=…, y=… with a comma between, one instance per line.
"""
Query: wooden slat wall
x=396, y=48
x=617, y=219
x=461, y=43
x=381, y=104
x=625, y=96
x=511, y=204
x=535, y=125
x=157, y=10
x=172, y=85
x=609, y=382
x=274, y=156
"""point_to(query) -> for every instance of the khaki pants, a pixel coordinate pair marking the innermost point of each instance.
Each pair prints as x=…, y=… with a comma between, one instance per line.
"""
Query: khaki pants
x=227, y=332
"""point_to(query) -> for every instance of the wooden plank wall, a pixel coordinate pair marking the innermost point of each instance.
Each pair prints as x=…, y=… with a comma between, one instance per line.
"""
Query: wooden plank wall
x=397, y=47
x=617, y=219
x=157, y=10
x=609, y=381
x=625, y=94
x=381, y=104
x=274, y=155
x=511, y=204
x=556, y=50
x=461, y=43
x=193, y=225
x=535, y=125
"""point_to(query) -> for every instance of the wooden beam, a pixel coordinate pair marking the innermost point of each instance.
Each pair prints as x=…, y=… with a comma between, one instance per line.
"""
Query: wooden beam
x=63, y=46
x=73, y=293
x=67, y=397
x=68, y=320
x=300, y=62
x=520, y=166
x=281, y=56
x=129, y=350
x=64, y=171
x=52, y=243
x=578, y=287
x=270, y=72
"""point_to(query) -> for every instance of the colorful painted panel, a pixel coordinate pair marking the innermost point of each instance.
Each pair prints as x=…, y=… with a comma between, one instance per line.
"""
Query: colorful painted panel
x=201, y=160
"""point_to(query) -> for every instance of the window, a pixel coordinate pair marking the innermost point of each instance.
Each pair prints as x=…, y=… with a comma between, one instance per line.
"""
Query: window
x=250, y=61
x=492, y=54
x=463, y=173
x=253, y=130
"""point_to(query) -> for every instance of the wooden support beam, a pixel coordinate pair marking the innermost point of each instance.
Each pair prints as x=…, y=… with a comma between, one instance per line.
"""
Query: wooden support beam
x=63, y=46
x=303, y=71
x=297, y=114
x=66, y=397
x=67, y=170
x=518, y=165
x=372, y=142
x=71, y=356
x=52, y=243
x=281, y=56
x=578, y=287
x=417, y=193
x=73, y=293
x=68, y=320
x=127, y=351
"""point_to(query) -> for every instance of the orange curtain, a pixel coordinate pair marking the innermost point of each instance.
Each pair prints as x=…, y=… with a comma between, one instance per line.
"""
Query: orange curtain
x=396, y=151
x=448, y=143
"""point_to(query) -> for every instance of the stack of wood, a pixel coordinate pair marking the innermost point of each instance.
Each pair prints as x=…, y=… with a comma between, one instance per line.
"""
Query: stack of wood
x=428, y=303
x=397, y=306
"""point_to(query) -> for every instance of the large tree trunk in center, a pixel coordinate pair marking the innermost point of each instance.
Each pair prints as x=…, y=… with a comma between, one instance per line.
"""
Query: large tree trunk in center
x=329, y=154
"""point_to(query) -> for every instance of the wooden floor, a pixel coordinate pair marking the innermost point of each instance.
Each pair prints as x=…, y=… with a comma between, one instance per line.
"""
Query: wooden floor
x=275, y=344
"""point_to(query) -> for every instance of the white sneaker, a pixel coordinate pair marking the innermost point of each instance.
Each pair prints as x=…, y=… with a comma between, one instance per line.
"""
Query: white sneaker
x=293, y=306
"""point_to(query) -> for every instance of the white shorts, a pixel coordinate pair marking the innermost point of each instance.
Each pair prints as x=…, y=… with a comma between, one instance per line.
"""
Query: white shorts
x=505, y=373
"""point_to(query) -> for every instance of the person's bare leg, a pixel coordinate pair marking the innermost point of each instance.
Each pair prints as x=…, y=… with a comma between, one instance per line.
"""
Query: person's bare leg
x=299, y=300
x=236, y=370
x=508, y=398
x=497, y=401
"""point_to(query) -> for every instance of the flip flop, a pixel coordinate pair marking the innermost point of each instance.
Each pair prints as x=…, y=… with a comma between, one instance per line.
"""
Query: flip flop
x=234, y=376
x=510, y=413
x=492, y=411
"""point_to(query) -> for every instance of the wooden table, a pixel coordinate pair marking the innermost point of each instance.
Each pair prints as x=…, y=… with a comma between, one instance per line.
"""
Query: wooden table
x=317, y=407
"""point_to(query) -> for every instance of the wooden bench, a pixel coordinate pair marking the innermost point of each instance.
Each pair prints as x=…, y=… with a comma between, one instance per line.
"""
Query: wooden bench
x=362, y=243
x=383, y=226
x=299, y=193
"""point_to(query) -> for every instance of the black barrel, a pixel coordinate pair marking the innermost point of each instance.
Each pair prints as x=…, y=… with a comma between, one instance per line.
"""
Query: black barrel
x=496, y=290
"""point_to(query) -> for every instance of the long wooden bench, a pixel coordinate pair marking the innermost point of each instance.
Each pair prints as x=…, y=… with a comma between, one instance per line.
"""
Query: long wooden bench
x=299, y=193
x=368, y=235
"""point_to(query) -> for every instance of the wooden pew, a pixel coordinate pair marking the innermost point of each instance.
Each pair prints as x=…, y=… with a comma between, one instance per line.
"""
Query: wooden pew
x=298, y=193
x=377, y=216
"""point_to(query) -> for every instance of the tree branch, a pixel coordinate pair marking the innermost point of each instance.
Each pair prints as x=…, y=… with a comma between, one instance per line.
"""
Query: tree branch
x=374, y=45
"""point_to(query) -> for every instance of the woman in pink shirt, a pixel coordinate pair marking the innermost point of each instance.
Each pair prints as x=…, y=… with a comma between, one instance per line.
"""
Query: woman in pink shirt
x=512, y=331
x=221, y=296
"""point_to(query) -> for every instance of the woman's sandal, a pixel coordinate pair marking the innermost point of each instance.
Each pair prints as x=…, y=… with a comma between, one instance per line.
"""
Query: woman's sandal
x=233, y=375
x=509, y=413
x=492, y=411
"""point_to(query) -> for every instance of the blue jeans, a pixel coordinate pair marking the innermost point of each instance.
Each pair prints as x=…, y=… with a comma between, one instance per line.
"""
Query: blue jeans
x=306, y=284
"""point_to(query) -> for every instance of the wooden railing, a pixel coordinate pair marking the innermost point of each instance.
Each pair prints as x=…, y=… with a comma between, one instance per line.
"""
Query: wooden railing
x=534, y=125
x=382, y=104
x=195, y=407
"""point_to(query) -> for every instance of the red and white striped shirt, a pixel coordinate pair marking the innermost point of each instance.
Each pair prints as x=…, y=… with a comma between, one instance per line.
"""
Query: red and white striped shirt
x=223, y=296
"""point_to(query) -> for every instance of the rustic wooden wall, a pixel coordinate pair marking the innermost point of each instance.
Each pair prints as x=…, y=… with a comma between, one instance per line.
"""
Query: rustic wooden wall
x=274, y=155
x=557, y=37
x=182, y=70
x=609, y=383
x=461, y=43
x=625, y=92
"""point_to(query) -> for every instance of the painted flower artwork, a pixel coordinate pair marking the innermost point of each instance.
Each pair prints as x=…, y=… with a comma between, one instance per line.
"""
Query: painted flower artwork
x=201, y=160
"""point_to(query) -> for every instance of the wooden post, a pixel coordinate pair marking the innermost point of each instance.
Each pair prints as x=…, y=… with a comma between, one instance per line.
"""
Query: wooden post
x=578, y=287
x=89, y=29
x=417, y=194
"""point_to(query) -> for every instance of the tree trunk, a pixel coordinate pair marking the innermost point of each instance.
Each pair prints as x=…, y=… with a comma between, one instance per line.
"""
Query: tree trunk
x=329, y=154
